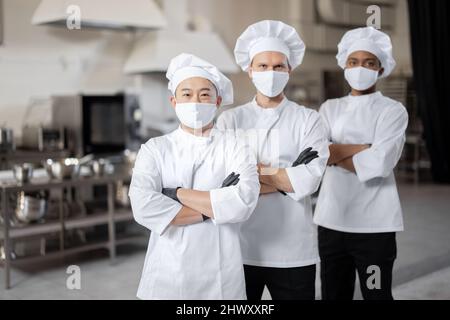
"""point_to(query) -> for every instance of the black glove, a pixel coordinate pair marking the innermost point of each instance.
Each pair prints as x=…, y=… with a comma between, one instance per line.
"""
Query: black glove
x=305, y=157
x=231, y=180
x=171, y=193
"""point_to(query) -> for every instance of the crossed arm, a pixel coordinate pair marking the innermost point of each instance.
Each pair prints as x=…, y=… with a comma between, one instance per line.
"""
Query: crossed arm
x=193, y=202
x=275, y=179
x=341, y=155
x=197, y=206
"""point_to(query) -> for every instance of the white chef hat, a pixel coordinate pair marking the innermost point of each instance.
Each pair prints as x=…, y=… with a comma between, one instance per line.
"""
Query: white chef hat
x=371, y=40
x=185, y=66
x=269, y=35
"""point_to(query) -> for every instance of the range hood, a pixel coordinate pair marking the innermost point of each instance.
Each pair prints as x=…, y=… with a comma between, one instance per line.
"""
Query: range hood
x=155, y=49
x=112, y=14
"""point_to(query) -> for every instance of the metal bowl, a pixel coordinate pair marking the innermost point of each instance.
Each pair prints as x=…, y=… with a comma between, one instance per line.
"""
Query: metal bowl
x=98, y=167
x=23, y=172
x=63, y=169
x=30, y=209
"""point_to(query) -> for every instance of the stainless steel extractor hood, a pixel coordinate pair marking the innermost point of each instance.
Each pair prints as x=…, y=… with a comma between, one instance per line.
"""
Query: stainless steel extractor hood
x=154, y=50
x=111, y=14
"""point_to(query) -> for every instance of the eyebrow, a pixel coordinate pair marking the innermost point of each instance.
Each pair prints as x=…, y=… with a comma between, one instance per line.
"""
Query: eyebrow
x=365, y=60
x=275, y=65
x=202, y=89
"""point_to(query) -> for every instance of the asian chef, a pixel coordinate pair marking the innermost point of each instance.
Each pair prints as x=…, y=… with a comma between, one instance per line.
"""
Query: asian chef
x=192, y=188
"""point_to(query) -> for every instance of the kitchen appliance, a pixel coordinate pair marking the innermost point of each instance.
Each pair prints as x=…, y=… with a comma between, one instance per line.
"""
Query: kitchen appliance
x=43, y=138
x=101, y=124
x=104, y=14
x=6, y=140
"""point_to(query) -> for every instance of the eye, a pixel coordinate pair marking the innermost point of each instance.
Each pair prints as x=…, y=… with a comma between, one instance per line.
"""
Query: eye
x=205, y=94
x=185, y=95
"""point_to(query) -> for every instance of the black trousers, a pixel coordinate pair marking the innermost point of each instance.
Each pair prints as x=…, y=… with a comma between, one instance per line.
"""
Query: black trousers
x=343, y=254
x=283, y=283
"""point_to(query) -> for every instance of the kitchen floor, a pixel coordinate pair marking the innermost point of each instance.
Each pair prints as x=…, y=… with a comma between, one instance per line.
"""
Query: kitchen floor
x=422, y=270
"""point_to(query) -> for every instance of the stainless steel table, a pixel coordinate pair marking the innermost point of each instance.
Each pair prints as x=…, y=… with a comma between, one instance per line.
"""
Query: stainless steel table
x=110, y=217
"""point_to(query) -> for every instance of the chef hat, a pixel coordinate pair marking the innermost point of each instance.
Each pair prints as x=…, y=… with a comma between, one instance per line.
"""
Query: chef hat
x=185, y=66
x=269, y=35
x=367, y=39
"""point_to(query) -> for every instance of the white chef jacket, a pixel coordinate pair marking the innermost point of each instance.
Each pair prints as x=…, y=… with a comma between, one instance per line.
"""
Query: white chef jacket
x=281, y=232
x=368, y=201
x=200, y=261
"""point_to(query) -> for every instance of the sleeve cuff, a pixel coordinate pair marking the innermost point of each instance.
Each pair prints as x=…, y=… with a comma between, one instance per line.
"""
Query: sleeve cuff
x=362, y=172
x=302, y=182
x=295, y=175
x=168, y=218
x=222, y=204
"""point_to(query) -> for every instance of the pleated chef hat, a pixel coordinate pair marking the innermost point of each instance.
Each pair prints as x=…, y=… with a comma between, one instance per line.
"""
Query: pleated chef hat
x=367, y=39
x=269, y=35
x=185, y=66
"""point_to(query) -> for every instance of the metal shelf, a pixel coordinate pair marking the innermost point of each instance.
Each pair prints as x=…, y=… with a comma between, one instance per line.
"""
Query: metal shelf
x=109, y=217
x=91, y=220
x=75, y=250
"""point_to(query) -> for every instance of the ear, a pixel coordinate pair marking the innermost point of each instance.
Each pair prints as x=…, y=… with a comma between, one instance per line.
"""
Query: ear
x=219, y=101
x=173, y=101
x=250, y=72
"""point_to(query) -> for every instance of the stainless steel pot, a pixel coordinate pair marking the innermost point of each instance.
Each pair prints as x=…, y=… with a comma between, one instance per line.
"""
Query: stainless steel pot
x=63, y=169
x=98, y=167
x=23, y=172
x=30, y=208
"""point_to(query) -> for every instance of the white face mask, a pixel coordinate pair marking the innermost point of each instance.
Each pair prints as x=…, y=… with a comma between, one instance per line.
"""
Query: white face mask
x=196, y=115
x=270, y=83
x=361, y=78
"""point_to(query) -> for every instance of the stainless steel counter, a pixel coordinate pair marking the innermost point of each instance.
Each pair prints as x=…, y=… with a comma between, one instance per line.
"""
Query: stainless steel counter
x=109, y=217
x=21, y=156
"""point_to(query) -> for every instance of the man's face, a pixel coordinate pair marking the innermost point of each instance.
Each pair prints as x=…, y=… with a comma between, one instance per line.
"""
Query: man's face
x=199, y=90
x=364, y=59
x=269, y=61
